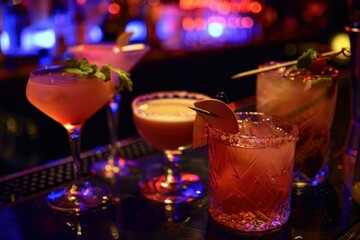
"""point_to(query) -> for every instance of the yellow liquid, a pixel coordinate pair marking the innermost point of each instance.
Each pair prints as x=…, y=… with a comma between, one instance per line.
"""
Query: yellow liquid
x=167, y=124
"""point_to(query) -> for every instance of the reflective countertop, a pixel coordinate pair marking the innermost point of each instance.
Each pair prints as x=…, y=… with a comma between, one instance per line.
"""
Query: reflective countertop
x=323, y=212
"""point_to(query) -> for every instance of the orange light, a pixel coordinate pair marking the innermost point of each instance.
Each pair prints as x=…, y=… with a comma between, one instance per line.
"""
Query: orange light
x=188, y=24
x=223, y=7
x=200, y=23
x=234, y=7
x=114, y=8
x=186, y=4
x=244, y=6
x=255, y=7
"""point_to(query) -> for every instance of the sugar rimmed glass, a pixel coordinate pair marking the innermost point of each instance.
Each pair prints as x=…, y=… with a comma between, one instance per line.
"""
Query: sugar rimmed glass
x=251, y=173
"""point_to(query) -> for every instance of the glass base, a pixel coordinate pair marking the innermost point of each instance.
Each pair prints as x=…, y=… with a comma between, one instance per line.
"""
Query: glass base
x=221, y=231
x=110, y=169
x=158, y=189
x=78, y=197
x=301, y=181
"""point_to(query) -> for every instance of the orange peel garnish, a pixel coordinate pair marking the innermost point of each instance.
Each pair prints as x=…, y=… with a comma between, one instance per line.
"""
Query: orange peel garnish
x=225, y=121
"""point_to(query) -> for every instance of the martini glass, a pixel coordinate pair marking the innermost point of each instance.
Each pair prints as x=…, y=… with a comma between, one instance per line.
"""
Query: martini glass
x=65, y=98
x=125, y=58
x=165, y=121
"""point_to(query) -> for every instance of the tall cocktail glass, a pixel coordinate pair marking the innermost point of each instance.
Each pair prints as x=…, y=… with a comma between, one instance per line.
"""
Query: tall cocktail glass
x=165, y=121
x=309, y=100
x=65, y=98
x=125, y=58
x=251, y=173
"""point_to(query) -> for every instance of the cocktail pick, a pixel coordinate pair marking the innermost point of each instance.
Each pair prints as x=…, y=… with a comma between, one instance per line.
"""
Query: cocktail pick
x=345, y=51
x=225, y=121
x=199, y=110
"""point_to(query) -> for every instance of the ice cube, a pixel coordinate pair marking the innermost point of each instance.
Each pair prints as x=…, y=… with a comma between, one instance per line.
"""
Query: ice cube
x=261, y=128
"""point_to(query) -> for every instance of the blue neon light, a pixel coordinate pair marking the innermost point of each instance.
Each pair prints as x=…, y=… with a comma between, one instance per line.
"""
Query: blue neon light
x=139, y=30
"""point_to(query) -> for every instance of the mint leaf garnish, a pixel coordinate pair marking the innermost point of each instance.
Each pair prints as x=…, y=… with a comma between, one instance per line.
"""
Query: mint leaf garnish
x=85, y=69
x=304, y=60
x=125, y=81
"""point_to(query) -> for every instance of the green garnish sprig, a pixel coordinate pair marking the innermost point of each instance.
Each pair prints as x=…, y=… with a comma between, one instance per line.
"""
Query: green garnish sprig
x=85, y=69
x=309, y=55
x=304, y=60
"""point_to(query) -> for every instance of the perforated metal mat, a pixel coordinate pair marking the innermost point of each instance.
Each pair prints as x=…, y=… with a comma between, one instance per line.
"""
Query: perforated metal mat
x=26, y=183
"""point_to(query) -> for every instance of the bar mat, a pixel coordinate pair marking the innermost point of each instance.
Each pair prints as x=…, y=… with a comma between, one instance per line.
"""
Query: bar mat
x=26, y=183
x=352, y=234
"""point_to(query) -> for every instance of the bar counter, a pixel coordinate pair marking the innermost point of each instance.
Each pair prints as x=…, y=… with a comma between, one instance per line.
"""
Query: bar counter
x=323, y=212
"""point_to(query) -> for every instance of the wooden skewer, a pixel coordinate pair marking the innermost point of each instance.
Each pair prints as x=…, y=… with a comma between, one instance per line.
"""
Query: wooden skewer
x=204, y=111
x=280, y=65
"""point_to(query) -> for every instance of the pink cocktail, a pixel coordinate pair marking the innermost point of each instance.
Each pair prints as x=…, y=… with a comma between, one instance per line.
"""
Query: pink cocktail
x=65, y=98
x=165, y=121
x=125, y=58
x=251, y=173
x=309, y=100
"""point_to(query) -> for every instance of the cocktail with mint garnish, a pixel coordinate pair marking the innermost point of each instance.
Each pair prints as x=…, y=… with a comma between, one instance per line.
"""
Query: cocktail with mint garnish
x=125, y=57
x=305, y=93
x=62, y=93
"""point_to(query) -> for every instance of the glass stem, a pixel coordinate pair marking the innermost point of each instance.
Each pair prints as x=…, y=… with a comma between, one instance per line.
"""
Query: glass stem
x=173, y=171
x=74, y=137
x=113, y=123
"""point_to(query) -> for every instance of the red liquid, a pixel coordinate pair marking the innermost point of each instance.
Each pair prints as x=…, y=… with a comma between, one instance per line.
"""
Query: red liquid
x=251, y=176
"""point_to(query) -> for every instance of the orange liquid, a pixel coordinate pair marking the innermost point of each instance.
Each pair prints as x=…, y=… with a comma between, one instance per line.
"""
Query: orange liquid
x=167, y=124
x=69, y=103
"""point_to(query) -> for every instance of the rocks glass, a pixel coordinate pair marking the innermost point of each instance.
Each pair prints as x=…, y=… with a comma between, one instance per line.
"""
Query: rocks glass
x=251, y=173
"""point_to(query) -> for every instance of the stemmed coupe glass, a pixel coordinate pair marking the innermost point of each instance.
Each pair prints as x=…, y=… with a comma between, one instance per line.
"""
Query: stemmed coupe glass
x=64, y=97
x=125, y=58
x=165, y=121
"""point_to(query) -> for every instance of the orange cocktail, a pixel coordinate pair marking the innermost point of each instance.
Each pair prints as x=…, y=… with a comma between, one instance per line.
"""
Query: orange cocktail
x=69, y=102
x=168, y=123
x=165, y=121
x=251, y=173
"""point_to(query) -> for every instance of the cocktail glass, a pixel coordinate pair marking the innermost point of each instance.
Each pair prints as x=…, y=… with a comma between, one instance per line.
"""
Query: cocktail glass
x=251, y=173
x=125, y=58
x=65, y=98
x=164, y=120
x=309, y=100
